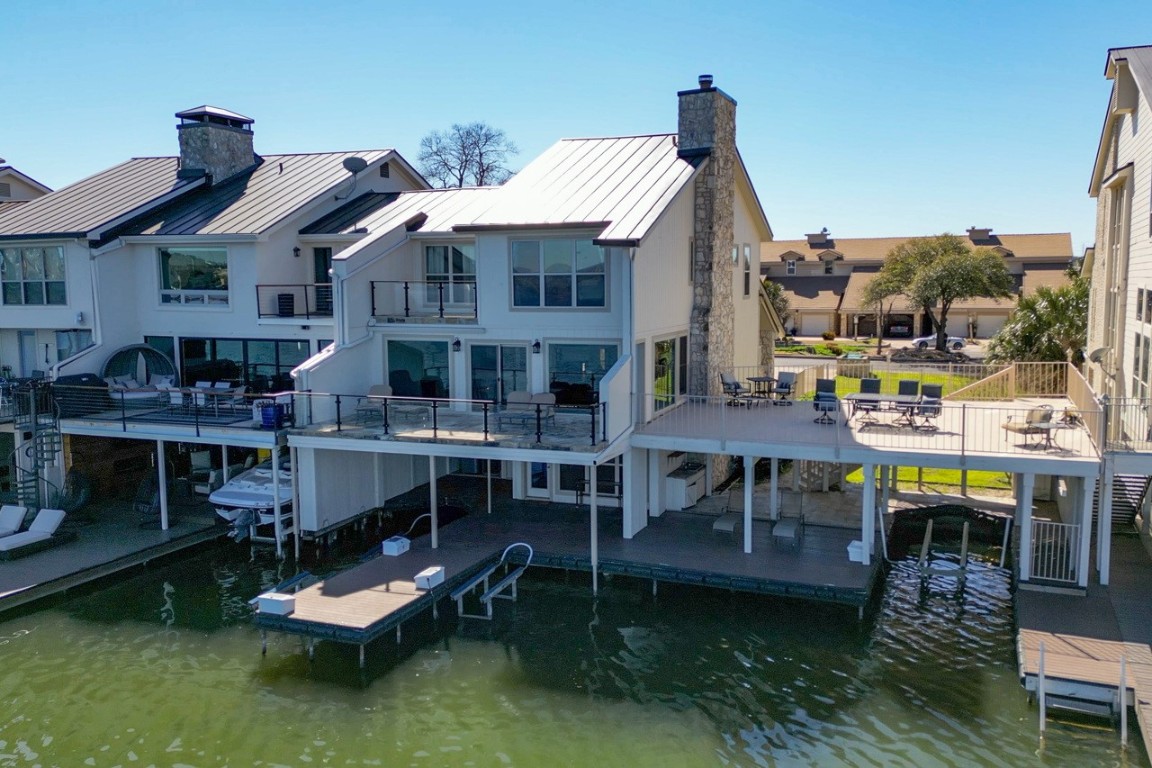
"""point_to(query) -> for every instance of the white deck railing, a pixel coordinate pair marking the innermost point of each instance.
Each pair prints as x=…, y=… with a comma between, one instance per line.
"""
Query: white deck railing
x=1055, y=551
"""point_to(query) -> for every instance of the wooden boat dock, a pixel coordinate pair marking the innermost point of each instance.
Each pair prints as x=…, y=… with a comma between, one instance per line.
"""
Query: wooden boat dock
x=361, y=604
x=1085, y=636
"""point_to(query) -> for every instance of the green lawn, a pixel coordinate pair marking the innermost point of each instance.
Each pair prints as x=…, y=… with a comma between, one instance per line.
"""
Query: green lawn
x=938, y=479
x=848, y=384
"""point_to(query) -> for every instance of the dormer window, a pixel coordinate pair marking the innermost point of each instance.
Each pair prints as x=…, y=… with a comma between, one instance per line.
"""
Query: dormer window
x=829, y=266
x=790, y=267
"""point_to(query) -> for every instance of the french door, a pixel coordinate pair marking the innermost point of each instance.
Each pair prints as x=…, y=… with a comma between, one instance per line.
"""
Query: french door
x=498, y=369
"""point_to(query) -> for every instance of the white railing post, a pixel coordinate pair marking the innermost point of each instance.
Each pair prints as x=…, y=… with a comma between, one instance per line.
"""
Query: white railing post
x=1040, y=691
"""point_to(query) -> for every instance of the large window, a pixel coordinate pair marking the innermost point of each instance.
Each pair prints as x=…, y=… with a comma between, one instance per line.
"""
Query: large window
x=197, y=276
x=575, y=371
x=455, y=266
x=261, y=365
x=558, y=272
x=33, y=276
x=418, y=368
x=69, y=343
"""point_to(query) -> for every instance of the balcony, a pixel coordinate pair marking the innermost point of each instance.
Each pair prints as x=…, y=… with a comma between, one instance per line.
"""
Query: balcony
x=299, y=301
x=413, y=301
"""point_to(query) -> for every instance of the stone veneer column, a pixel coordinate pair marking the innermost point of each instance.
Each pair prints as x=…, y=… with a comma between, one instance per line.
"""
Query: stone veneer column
x=708, y=127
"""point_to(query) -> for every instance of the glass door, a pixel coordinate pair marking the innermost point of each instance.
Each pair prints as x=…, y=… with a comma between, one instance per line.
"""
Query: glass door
x=498, y=369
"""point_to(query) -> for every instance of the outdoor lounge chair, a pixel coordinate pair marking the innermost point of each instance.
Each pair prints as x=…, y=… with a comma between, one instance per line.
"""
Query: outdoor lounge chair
x=733, y=514
x=523, y=408
x=11, y=519
x=368, y=408
x=784, y=388
x=40, y=535
x=789, y=529
x=826, y=401
x=1041, y=414
x=737, y=393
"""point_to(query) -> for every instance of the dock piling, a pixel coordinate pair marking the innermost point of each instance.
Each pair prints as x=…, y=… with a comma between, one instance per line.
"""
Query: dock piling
x=1123, y=702
x=1040, y=691
x=263, y=642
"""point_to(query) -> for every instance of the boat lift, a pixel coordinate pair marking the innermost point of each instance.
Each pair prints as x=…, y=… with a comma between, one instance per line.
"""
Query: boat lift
x=929, y=568
x=497, y=590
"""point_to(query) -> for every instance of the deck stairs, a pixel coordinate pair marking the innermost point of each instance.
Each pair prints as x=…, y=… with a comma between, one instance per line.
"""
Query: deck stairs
x=35, y=413
x=503, y=589
x=1128, y=493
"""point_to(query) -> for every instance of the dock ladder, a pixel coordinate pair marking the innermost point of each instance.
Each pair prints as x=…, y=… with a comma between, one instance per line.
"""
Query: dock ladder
x=504, y=588
x=942, y=567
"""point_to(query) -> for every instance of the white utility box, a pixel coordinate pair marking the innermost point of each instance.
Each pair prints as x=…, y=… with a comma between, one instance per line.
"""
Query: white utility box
x=430, y=577
x=397, y=545
x=856, y=551
x=276, y=603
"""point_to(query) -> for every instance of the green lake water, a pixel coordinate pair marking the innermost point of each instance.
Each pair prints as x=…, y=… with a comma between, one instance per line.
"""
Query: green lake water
x=164, y=669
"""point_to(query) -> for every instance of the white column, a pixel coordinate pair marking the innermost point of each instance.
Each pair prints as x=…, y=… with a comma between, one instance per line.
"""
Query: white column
x=774, y=490
x=435, y=504
x=488, y=477
x=655, y=481
x=1104, y=525
x=885, y=488
x=867, y=524
x=1086, y=533
x=593, y=508
x=224, y=458
x=162, y=478
x=1024, y=502
x=277, y=525
x=749, y=484
x=294, y=457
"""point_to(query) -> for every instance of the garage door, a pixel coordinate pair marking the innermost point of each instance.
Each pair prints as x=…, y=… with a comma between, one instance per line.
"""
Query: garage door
x=814, y=325
x=958, y=325
x=988, y=326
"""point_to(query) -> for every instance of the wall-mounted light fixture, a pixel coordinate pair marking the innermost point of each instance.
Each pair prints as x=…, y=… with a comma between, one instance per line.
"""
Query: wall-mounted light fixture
x=79, y=318
x=735, y=254
x=296, y=251
x=536, y=347
x=456, y=344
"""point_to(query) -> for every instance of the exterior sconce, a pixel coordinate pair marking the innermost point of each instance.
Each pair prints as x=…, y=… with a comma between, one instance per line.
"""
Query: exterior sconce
x=79, y=318
x=456, y=344
x=735, y=254
x=296, y=251
x=536, y=347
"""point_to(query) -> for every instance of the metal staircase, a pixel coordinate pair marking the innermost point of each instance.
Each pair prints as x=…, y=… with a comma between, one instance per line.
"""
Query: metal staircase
x=1128, y=492
x=35, y=413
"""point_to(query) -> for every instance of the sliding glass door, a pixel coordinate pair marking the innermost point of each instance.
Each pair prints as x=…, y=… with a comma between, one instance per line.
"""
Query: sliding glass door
x=498, y=369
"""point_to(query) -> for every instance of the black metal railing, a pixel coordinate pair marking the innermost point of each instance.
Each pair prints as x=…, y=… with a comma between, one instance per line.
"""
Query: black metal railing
x=396, y=299
x=306, y=300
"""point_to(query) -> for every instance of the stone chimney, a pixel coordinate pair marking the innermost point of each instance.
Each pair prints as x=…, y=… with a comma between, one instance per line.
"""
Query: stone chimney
x=979, y=235
x=214, y=142
x=707, y=134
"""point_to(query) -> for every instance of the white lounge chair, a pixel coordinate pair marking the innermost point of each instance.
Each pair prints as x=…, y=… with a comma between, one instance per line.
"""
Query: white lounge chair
x=38, y=536
x=11, y=519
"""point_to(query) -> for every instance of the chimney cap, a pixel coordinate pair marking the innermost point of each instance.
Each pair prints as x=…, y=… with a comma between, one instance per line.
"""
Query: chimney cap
x=977, y=233
x=206, y=113
x=705, y=82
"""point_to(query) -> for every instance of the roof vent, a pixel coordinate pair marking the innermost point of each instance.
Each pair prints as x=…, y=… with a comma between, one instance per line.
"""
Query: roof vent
x=979, y=235
x=705, y=82
x=821, y=238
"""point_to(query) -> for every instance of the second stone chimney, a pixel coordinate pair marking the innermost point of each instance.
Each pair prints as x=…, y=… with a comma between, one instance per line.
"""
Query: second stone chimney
x=214, y=142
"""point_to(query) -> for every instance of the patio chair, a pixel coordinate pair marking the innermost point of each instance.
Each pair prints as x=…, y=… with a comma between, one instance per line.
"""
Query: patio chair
x=1041, y=414
x=907, y=388
x=931, y=397
x=733, y=514
x=789, y=529
x=737, y=393
x=784, y=388
x=868, y=408
x=199, y=396
x=236, y=400
x=11, y=519
x=41, y=534
x=368, y=407
x=544, y=404
x=826, y=401
x=517, y=408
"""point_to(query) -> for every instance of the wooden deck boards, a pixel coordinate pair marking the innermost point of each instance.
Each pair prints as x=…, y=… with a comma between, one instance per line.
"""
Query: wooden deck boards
x=365, y=601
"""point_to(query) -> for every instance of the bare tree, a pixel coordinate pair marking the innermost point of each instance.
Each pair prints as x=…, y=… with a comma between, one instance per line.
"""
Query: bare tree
x=475, y=154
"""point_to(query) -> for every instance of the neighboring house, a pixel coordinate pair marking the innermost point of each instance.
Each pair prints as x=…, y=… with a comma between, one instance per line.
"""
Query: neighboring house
x=209, y=256
x=824, y=278
x=17, y=187
x=1120, y=265
x=605, y=267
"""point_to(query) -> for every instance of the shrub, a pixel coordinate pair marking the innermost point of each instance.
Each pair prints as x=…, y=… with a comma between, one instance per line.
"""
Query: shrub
x=828, y=335
x=834, y=349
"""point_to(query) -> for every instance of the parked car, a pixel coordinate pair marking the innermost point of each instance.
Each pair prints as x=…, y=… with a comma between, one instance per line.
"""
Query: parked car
x=929, y=342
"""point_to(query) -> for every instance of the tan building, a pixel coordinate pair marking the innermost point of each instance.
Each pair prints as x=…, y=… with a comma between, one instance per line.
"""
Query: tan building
x=824, y=277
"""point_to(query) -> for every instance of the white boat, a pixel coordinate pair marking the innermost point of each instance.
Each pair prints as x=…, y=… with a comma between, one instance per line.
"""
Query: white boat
x=250, y=494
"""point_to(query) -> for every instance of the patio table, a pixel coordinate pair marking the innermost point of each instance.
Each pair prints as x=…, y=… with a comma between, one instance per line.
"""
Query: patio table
x=762, y=385
x=905, y=404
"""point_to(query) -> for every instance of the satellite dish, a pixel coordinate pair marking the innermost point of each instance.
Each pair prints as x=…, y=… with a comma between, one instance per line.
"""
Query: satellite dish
x=355, y=164
x=1097, y=355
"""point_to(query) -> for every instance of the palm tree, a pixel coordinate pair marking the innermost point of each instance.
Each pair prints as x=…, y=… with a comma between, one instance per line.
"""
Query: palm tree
x=1049, y=325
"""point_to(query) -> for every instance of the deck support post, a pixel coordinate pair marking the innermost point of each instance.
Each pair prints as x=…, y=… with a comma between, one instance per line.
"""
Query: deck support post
x=1104, y=524
x=277, y=523
x=593, y=507
x=263, y=642
x=294, y=458
x=774, y=491
x=1082, y=567
x=749, y=484
x=1041, y=694
x=1123, y=702
x=397, y=634
x=1024, y=505
x=653, y=587
x=361, y=657
x=885, y=491
x=964, y=482
x=435, y=505
x=311, y=649
x=868, y=513
x=162, y=479
x=488, y=476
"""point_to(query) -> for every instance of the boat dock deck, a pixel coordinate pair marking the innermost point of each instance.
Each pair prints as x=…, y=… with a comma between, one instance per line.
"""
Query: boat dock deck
x=1085, y=636
x=107, y=538
x=368, y=600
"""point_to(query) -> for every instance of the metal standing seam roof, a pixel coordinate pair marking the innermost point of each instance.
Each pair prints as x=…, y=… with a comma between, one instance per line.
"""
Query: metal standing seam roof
x=82, y=207
x=625, y=182
x=1051, y=245
x=254, y=201
x=348, y=218
x=9, y=205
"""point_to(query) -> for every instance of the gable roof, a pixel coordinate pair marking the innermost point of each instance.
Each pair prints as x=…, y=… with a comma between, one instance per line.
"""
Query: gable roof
x=7, y=170
x=1138, y=62
x=619, y=184
x=81, y=207
x=1054, y=245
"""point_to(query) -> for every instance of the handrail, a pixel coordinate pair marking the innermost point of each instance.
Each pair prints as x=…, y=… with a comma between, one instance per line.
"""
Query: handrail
x=512, y=546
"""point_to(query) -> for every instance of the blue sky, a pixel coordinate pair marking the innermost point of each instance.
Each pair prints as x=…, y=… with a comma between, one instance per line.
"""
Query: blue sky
x=872, y=119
